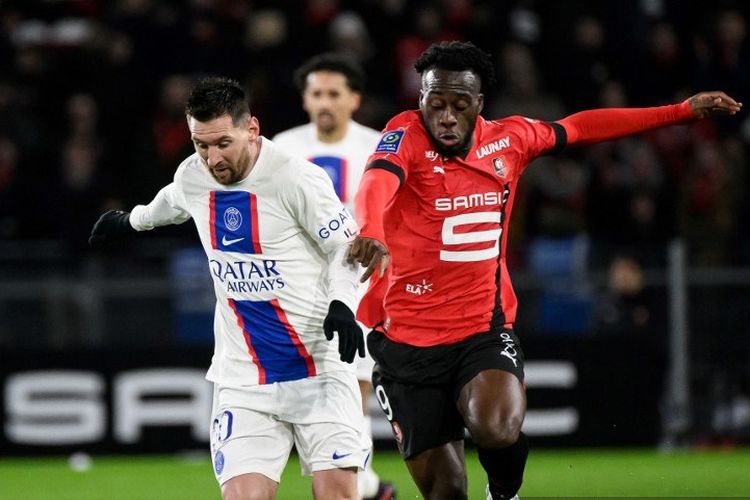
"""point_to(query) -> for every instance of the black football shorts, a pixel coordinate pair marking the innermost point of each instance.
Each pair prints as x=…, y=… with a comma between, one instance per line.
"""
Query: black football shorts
x=417, y=387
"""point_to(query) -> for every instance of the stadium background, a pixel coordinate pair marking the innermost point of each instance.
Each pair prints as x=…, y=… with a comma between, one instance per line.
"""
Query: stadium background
x=631, y=259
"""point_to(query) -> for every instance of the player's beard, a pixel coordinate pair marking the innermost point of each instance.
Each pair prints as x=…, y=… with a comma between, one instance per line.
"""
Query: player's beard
x=237, y=172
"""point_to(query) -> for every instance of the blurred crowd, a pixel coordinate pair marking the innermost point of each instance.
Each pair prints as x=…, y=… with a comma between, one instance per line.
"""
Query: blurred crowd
x=92, y=91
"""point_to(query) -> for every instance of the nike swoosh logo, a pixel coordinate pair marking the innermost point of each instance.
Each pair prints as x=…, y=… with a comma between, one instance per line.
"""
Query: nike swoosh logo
x=336, y=456
x=226, y=242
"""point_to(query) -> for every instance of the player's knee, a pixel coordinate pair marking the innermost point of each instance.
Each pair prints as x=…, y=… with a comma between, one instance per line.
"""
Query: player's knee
x=496, y=433
x=244, y=491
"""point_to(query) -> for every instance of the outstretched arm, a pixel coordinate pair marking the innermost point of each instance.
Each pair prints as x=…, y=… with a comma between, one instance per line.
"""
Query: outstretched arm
x=116, y=225
x=597, y=125
x=163, y=210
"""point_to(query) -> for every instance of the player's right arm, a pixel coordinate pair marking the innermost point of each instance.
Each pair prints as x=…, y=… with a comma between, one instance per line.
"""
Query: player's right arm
x=386, y=171
x=376, y=189
x=166, y=208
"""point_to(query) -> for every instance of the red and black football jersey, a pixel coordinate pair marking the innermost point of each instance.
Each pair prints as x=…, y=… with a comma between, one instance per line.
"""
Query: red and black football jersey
x=446, y=228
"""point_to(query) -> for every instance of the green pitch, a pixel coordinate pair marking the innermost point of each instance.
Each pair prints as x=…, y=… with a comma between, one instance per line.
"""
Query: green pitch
x=549, y=474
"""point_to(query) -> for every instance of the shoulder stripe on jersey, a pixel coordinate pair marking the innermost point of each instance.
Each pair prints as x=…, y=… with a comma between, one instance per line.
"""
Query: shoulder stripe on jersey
x=561, y=138
x=390, y=167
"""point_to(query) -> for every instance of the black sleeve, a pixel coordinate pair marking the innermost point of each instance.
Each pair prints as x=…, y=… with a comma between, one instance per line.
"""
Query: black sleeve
x=390, y=167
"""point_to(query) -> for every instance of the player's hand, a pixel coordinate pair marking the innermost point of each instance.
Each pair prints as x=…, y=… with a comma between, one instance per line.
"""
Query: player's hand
x=708, y=104
x=370, y=253
x=341, y=319
x=111, y=227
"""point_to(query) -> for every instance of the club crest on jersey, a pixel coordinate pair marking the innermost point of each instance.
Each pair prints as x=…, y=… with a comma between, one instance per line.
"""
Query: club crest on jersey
x=499, y=165
x=232, y=218
x=233, y=221
x=390, y=142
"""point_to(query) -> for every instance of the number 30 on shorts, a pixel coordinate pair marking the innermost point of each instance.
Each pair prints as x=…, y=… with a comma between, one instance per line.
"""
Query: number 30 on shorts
x=383, y=401
x=450, y=237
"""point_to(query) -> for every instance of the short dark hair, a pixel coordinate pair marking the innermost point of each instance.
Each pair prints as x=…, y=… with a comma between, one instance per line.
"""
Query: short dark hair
x=335, y=63
x=214, y=96
x=458, y=56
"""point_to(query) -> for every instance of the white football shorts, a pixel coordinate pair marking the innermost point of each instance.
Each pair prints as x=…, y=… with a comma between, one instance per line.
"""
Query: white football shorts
x=253, y=428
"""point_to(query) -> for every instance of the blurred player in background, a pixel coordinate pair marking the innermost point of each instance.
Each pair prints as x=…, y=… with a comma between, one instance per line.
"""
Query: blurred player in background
x=435, y=202
x=331, y=86
x=276, y=237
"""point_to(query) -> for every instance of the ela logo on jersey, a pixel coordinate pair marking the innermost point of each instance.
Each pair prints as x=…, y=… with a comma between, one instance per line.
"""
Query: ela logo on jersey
x=390, y=142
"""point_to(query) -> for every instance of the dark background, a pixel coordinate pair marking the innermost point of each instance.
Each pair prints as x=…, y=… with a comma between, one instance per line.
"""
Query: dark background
x=91, y=118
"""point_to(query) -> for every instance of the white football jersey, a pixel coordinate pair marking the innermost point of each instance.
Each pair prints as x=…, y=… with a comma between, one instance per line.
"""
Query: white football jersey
x=269, y=240
x=344, y=161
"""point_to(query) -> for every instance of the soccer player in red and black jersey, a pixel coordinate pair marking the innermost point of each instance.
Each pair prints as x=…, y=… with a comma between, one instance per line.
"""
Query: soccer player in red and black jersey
x=434, y=205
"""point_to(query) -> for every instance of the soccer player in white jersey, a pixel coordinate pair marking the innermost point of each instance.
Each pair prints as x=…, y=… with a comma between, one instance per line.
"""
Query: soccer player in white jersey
x=331, y=86
x=276, y=237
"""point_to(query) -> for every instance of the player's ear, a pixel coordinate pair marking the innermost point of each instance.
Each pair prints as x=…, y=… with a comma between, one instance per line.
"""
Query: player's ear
x=252, y=126
x=356, y=100
x=480, y=99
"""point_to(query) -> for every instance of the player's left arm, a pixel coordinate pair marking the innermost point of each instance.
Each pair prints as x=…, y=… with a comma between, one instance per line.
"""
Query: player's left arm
x=597, y=125
x=330, y=225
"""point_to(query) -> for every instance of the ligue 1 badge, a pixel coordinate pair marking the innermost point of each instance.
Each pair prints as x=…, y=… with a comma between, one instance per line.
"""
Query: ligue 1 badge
x=499, y=165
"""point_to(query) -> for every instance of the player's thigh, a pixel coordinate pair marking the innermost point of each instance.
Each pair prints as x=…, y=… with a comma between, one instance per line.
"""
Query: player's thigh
x=335, y=483
x=422, y=417
x=493, y=405
x=491, y=395
x=328, y=431
x=246, y=440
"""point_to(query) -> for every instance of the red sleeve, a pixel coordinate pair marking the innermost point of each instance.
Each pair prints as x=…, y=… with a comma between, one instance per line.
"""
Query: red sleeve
x=377, y=187
x=370, y=311
x=597, y=125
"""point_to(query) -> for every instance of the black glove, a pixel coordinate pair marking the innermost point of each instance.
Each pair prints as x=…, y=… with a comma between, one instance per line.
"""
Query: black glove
x=341, y=319
x=111, y=227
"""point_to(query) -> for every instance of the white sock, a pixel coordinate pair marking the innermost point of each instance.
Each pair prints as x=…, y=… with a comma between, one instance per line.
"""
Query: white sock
x=367, y=480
